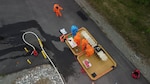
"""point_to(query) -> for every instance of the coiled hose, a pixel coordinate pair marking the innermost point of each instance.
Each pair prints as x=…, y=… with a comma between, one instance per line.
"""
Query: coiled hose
x=43, y=51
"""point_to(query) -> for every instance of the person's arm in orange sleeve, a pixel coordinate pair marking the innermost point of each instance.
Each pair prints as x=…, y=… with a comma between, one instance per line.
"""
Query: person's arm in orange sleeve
x=60, y=8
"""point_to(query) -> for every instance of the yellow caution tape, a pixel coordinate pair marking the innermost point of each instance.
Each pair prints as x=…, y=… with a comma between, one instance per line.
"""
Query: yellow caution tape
x=26, y=49
x=40, y=42
x=29, y=61
x=43, y=53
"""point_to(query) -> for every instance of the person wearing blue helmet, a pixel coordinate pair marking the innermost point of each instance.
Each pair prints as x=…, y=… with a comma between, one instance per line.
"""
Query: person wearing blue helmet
x=74, y=30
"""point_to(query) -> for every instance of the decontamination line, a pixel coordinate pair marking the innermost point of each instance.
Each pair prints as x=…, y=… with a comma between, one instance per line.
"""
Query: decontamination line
x=43, y=51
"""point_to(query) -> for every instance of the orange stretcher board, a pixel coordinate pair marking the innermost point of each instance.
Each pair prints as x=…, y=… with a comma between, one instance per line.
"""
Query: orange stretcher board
x=95, y=65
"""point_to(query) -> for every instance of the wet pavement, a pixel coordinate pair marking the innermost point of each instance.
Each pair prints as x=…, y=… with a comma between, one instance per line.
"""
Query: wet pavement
x=16, y=55
x=13, y=57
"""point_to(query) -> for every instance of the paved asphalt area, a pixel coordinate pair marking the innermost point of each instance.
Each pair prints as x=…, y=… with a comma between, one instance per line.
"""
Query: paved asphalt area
x=19, y=16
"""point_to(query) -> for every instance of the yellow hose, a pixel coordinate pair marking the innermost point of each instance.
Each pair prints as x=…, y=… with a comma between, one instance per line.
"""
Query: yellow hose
x=26, y=49
x=29, y=61
x=40, y=42
x=43, y=53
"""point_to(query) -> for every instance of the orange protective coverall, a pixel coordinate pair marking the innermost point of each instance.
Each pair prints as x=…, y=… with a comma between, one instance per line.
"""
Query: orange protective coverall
x=57, y=8
x=84, y=42
x=77, y=39
x=89, y=50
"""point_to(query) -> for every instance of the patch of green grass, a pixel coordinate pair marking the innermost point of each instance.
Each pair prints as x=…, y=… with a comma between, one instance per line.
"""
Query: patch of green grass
x=131, y=18
x=2, y=75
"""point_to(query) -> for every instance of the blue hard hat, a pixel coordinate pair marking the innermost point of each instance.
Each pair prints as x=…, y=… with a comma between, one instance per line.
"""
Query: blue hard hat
x=74, y=29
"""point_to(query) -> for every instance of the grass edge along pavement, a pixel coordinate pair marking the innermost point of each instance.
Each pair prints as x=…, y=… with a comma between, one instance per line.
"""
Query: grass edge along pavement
x=119, y=42
x=130, y=19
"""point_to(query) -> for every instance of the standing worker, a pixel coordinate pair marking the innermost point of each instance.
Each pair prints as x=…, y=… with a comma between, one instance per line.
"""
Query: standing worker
x=57, y=8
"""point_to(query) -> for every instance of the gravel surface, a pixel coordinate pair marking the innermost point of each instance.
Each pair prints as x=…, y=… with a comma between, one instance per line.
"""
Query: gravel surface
x=44, y=74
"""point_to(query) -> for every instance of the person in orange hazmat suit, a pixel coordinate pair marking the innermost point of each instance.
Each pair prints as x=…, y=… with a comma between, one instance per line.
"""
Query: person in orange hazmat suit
x=57, y=8
x=84, y=42
x=77, y=39
x=89, y=50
